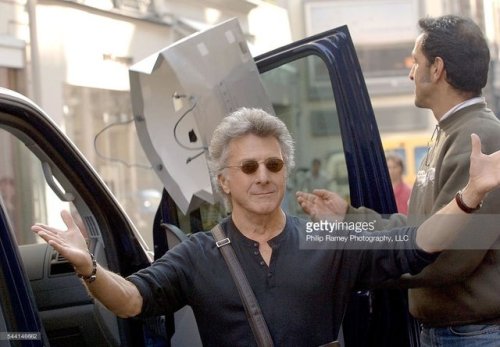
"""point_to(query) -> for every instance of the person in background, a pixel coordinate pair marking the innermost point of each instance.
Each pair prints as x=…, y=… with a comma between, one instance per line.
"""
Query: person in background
x=315, y=178
x=457, y=300
x=401, y=190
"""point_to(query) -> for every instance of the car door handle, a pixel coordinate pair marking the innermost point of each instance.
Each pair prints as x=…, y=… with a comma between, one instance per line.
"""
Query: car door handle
x=56, y=188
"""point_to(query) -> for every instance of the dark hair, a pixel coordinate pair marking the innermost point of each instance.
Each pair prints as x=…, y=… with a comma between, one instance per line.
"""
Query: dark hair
x=396, y=158
x=462, y=46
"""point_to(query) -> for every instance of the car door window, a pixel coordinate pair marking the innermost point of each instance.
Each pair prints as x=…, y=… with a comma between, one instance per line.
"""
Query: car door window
x=304, y=101
x=321, y=88
x=25, y=193
x=29, y=198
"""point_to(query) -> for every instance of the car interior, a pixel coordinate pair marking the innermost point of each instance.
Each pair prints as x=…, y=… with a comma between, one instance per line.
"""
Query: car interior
x=69, y=314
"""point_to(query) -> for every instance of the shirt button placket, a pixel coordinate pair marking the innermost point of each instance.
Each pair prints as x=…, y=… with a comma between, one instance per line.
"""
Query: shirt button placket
x=257, y=254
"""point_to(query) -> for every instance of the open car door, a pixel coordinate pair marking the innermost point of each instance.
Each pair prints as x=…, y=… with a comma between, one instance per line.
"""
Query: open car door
x=42, y=172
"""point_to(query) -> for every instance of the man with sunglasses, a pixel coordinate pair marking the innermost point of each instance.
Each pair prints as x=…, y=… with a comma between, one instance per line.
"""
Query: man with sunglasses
x=457, y=301
x=302, y=292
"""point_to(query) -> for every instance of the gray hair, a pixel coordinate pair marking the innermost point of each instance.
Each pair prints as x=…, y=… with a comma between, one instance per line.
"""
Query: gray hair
x=245, y=121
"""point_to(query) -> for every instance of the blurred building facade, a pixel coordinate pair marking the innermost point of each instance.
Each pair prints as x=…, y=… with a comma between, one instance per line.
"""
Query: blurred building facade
x=72, y=58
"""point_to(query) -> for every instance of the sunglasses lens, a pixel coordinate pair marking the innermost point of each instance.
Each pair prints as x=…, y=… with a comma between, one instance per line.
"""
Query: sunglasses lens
x=249, y=166
x=274, y=164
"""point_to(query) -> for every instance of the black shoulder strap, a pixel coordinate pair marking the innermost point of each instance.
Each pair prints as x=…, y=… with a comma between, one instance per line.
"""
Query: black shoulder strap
x=252, y=308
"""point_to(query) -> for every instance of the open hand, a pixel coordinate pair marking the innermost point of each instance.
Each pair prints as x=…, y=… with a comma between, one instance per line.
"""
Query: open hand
x=484, y=171
x=69, y=243
x=322, y=204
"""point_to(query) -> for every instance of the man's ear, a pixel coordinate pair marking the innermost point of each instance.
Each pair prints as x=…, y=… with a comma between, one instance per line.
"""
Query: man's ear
x=224, y=183
x=437, y=69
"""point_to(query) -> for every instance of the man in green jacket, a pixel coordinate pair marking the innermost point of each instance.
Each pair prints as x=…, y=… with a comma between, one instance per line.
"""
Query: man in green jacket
x=459, y=304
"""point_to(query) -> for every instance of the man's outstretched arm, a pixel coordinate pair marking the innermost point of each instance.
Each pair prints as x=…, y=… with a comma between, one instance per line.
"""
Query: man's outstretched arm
x=113, y=291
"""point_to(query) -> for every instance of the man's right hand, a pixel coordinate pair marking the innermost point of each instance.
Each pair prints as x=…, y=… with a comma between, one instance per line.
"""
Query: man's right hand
x=323, y=204
x=118, y=294
x=70, y=243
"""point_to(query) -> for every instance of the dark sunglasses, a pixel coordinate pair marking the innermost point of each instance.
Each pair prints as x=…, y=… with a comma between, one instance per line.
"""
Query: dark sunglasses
x=250, y=166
